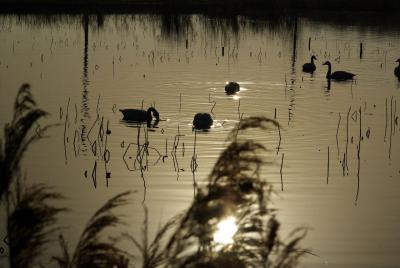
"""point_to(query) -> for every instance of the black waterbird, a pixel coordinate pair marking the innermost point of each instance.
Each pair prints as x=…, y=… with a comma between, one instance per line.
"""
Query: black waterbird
x=232, y=88
x=310, y=67
x=397, y=69
x=338, y=75
x=202, y=121
x=140, y=116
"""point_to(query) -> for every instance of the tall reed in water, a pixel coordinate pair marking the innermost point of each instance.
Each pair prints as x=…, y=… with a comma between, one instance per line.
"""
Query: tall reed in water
x=235, y=192
x=152, y=253
x=30, y=217
x=91, y=251
x=18, y=136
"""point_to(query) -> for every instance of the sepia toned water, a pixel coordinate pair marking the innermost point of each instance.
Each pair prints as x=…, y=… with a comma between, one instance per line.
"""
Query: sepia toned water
x=82, y=69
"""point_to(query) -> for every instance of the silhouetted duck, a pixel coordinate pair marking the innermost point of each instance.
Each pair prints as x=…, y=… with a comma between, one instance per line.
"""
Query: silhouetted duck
x=202, y=121
x=338, y=75
x=310, y=67
x=232, y=88
x=140, y=116
x=397, y=69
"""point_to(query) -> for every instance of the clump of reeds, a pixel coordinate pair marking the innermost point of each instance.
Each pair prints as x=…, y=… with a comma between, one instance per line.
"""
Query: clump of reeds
x=235, y=189
x=30, y=215
x=91, y=250
x=18, y=135
x=31, y=218
x=30, y=222
x=152, y=253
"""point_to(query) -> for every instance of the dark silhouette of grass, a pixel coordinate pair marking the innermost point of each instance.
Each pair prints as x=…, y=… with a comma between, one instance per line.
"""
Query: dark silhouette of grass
x=153, y=254
x=30, y=214
x=18, y=135
x=31, y=223
x=91, y=251
x=31, y=217
x=235, y=189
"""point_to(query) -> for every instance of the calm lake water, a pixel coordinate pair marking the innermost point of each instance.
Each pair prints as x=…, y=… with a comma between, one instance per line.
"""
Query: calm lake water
x=84, y=68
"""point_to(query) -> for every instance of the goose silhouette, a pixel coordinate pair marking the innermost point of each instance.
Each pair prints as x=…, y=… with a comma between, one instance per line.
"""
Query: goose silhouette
x=202, y=121
x=140, y=116
x=338, y=75
x=397, y=69
x=232, y=88
x=310, y=67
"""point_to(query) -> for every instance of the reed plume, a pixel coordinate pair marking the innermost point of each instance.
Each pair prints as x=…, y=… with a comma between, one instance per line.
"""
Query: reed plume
x=31, y=223
x=30, y=215
x=18, y=135
x=235, y=189
x=91, y=250
x=153, y=254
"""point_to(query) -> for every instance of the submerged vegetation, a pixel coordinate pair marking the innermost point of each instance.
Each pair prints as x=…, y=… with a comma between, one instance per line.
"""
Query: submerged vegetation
x=229, y=223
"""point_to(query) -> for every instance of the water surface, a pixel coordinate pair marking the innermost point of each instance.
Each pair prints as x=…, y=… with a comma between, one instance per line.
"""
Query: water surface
x=84, y=68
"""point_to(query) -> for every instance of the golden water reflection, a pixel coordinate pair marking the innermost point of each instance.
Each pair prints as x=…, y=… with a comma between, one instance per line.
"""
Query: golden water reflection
x=226, y=229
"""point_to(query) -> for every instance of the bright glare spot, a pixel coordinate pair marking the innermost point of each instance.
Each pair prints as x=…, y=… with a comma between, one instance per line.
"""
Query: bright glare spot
x=226, y=229
x=235, y=97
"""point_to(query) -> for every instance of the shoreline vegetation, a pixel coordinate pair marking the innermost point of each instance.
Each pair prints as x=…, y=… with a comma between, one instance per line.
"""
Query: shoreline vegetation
x=194, y=6
x=176, y=26
x=174, y=20
x=230, y=222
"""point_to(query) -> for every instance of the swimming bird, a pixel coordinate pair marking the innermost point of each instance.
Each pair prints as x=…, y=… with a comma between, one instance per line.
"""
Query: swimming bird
x=397, y=69
x=232, y=88
x=310, y=67
x=202, y=121
x=140, y=116
x=338, y=75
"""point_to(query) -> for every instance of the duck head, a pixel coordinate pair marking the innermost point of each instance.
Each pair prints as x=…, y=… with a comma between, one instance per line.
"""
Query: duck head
x=152, y=112
x=327, y=63
x=313, y=57
x=231, y=88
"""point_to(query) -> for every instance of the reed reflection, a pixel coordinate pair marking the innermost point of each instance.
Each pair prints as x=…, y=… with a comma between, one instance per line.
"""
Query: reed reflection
x=174, y=25
x=293, y=75
x=85, y=109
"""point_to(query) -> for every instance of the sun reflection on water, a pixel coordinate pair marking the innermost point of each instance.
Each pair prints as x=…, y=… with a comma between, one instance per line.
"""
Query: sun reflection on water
x=226, y=229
